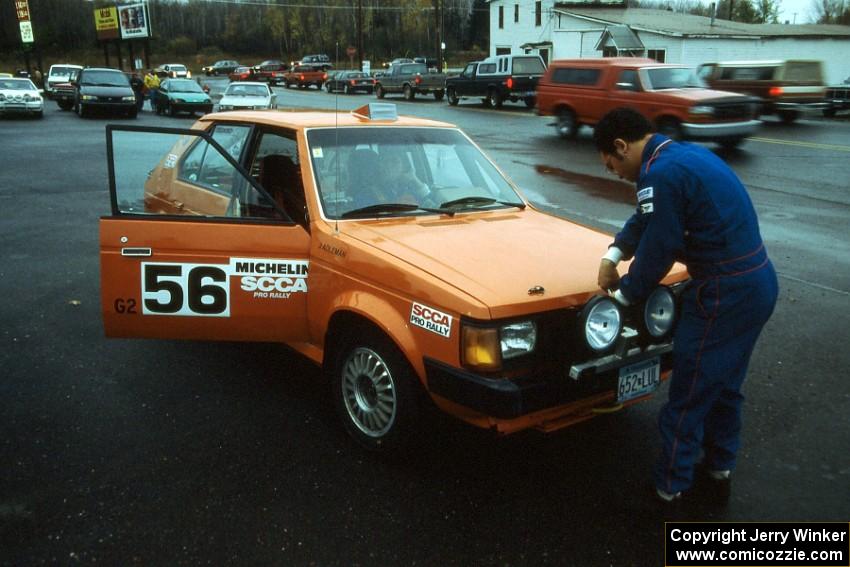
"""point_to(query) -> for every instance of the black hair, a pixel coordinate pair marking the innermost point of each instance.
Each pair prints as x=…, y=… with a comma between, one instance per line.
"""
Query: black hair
x=625, y=123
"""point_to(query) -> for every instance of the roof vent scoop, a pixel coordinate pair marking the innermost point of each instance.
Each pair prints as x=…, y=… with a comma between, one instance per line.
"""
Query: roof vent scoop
x=385, y=111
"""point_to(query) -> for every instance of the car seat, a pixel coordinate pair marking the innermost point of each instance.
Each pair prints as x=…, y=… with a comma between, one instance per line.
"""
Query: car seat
x=281, y=178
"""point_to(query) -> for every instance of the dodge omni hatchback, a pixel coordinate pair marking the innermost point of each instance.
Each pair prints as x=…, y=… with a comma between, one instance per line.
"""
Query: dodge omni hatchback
x=389, y=250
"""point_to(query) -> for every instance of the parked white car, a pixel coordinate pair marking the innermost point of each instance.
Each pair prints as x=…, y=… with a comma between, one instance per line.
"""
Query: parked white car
x=20, y=96
x=173, y=71
x=247, y=96
x=61, y=73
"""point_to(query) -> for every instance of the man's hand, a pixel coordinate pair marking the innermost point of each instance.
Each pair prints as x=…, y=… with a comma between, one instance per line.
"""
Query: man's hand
x=608, y=276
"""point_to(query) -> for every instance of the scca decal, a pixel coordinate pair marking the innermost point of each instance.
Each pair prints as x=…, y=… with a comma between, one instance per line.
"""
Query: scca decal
x=431, y=320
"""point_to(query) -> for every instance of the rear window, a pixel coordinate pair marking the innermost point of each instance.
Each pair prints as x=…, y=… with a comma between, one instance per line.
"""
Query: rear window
x=63, y=71
x=803, y=71
x=572, y=76
x=413, y=68
x=747, y=73
x=528, y=65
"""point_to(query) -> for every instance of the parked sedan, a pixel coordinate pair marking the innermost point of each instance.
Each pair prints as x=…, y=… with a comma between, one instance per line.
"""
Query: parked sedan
x=349, y=82
x=20, y=96
x=173, y=70
x=223, y=67
x=182, y=95
x=241, y=74
x=247, y=96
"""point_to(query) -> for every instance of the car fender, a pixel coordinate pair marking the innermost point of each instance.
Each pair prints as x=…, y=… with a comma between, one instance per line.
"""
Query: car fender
x=389, y=317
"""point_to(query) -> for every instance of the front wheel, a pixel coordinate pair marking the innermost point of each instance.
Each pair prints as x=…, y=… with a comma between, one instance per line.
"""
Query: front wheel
x=829, y=112
x=379, y=91
x=328, y=87
x=65, y=105
x=408, y=93
x=566, y=125
x=347, y=89
x=453, y=98
x=530, y=101
x=171, y=111
x=375, y=391
x=670, y=127
x=438, y=95
x=788, y=116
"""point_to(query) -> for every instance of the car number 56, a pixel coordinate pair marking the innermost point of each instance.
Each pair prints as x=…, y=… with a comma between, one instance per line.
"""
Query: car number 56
x=185, y=289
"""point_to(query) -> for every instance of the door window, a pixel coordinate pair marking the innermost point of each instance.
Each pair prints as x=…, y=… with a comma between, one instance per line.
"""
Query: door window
x=163, y=171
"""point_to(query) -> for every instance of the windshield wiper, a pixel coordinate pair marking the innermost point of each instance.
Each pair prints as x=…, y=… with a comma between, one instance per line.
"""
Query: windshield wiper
x=475, y=201
x=383, y=208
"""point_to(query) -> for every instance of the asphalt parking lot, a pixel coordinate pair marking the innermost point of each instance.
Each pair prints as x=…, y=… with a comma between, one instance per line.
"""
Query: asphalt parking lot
x=147, y=452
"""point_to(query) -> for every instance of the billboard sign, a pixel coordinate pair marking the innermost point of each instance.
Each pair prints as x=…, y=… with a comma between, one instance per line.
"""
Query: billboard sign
x=22, y=10
x=133, y=20
x=106, y=23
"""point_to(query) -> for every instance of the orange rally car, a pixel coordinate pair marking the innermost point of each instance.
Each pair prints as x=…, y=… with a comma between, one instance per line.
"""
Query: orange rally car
x=389, y=250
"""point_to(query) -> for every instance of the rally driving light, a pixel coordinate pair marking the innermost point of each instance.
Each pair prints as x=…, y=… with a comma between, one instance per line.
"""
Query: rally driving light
x=659, y=313
x=481, y=349
x=601, y=323
x=518, y=339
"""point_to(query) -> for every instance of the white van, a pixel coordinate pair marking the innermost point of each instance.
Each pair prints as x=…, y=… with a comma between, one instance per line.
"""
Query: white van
x=60, y=73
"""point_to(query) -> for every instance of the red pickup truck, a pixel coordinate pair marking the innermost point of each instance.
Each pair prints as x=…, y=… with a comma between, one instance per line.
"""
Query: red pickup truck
x=304, y=76
x=672, y=97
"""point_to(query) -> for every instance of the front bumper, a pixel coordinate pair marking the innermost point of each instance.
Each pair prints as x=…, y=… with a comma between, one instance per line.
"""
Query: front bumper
x=720, y=130
x=21, y=107
x=503, y=398
x=205, y=107
x=801, y=107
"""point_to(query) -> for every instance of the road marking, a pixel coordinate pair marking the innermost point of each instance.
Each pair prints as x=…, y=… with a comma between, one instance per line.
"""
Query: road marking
x=813, y=284
x=813, y=145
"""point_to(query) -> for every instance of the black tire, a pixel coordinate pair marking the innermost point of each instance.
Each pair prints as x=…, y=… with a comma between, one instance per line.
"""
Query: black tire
x=171, y=111
x=669, y=127
x=375, y=391
x=494, y=99
x=566, y=125
x=438, y=95
x=65, y=105
x=347, y=89
x=409, y=94
x=39, y=114
x=81, y=110
x=328, y=88
x=452, y=96
x=379, y=91
x=132, y=113
x=788, y=116
x=730, y=143
x=829, y=112
x=530, y=101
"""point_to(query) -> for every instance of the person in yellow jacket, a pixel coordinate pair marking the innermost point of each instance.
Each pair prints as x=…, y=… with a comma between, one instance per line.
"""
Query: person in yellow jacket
x=152, y=88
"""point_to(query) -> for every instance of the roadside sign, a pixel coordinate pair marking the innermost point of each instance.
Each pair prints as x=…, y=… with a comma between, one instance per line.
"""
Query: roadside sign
x=351, y=51
x=367, y=66
x=106, y=23
x=22, y=10
x=26, y=32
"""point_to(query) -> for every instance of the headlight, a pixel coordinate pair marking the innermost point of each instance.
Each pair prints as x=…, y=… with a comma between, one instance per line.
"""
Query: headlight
x=179, y=100
x=601, y=323
x=88, y=97
x=659, y=312
x=705, y=110
x=128, y=98
x=518, y=339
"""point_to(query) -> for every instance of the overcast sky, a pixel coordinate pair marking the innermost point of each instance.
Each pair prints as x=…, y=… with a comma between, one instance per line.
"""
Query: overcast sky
x=803, y=8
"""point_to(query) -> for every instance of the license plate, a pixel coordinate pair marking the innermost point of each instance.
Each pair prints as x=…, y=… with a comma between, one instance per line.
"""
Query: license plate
x=639, y=379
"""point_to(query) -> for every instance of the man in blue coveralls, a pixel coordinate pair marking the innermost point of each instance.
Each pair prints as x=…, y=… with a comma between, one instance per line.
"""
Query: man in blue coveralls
x=693, y=209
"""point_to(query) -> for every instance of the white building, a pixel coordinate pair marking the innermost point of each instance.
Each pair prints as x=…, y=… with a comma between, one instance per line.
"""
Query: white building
x=572, y=30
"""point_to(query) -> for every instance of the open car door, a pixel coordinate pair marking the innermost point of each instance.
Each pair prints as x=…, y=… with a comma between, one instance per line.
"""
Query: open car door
x=194, y=247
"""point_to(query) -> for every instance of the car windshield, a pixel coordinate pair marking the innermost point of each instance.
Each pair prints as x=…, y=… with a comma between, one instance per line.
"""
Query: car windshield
x=186, y=86
x=397, y=171
x=178, y=67
x=62, y=71
x=673, y=78
x=17, y=85
x=104, y=79
x=246, y=90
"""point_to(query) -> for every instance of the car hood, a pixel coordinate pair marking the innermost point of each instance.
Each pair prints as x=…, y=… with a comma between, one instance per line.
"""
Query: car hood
x=244, y=100
x=498, y=257
x=190, y=97
x=702, y=95
x=106, y=91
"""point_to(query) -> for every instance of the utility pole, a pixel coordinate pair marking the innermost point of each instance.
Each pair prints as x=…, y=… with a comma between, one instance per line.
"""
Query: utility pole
x=360, y=34
x=439, y=34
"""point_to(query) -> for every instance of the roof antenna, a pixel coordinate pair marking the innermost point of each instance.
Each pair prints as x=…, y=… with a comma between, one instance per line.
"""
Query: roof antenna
x=338, y=155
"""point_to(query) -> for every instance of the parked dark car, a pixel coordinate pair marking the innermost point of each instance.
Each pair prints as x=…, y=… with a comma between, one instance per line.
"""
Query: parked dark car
x=838, y=98
x=322, y=62
x=349, y=82
x=103, y=89
x=182, y=95
x=223, y=67
x=497, y=79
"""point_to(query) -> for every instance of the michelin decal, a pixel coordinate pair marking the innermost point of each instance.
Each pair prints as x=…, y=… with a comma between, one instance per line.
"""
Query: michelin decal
x=205, y=289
